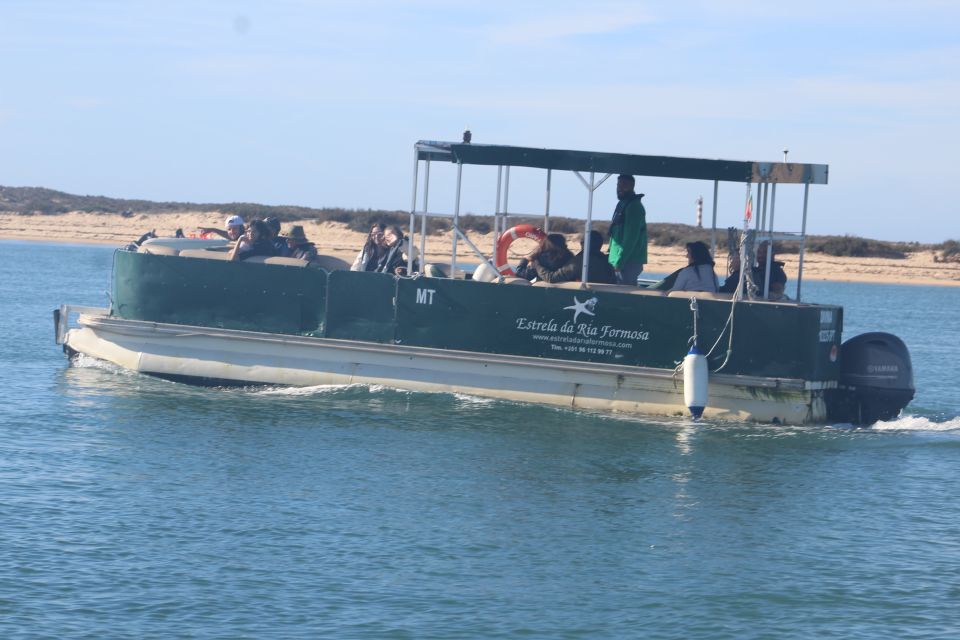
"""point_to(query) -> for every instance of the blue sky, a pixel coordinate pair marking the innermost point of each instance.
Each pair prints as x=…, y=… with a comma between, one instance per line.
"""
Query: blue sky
x=319, y=104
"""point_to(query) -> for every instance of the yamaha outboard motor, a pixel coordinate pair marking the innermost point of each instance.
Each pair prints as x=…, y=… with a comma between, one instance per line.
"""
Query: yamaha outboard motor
x=876, y=379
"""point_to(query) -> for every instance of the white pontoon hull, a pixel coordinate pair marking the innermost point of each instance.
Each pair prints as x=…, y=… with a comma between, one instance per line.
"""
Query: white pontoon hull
x=208, y=354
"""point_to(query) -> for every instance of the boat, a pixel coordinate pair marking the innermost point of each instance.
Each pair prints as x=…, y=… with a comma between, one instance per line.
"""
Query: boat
x=185, y=313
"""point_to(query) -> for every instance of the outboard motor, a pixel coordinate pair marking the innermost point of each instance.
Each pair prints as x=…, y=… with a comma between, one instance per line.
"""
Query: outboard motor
x=876, y=379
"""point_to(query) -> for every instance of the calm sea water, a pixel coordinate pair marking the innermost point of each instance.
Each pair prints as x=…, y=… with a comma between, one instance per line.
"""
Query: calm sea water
x=135, y=507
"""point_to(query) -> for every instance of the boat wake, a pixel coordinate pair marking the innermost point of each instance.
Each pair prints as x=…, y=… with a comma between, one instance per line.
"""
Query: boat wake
x=329, y=389
x=918, y=423
x=83, y=361
x=317, y=390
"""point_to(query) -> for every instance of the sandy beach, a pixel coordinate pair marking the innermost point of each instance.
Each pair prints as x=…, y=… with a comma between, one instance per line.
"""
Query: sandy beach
x=335, y=239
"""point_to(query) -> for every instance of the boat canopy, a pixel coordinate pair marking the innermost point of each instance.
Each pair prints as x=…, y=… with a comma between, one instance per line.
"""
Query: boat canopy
x=598, y=167
x=616, y=163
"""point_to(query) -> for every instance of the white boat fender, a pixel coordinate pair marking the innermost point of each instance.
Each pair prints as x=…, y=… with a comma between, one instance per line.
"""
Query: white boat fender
x=695, y=382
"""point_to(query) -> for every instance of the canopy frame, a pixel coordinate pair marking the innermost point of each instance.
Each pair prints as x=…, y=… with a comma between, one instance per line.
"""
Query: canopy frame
x=765, y=175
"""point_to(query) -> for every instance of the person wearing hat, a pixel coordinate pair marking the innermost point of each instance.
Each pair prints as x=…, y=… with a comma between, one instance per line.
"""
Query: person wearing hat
x=233, y=229
x=298, y=245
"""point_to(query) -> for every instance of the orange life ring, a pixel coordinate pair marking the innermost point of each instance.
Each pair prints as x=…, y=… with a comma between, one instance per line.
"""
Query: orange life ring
x=507, y=238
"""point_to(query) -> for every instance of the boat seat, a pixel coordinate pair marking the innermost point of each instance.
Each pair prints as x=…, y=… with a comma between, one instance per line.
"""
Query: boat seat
x=432, y=270
x=290, y=262
x=702, y=295
x=558, y=285
x=612, y=288
x=203, y=253
x=158, y=250
x=512, y=280
x=436, y=270
x=330, y=263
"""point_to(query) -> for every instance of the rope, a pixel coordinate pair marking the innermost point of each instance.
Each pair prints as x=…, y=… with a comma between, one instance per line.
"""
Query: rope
x=691, y=341
x=696, y=313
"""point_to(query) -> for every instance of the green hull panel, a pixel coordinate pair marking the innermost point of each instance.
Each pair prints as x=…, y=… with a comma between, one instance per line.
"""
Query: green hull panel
x=770, y=340
x=218, y=293
x=360, y=306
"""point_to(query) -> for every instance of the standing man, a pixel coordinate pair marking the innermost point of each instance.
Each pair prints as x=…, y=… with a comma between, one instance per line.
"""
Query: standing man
x=628, y=233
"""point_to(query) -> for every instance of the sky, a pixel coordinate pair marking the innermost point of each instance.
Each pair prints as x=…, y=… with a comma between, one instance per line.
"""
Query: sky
x=318, y=104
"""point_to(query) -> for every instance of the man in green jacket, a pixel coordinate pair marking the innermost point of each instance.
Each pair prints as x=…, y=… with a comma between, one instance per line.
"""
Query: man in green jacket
x=628, y=233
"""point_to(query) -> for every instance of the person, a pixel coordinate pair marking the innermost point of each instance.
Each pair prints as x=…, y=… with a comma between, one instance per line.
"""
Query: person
x=778, y=277
x=550, y=256
x=298, y=246
x=599, y=268
x=133, y=246
x=280, y=244
x=369, y=255
x=698, y=275
x=733, y=278
x=233, y=229
x=628, y=232
x=393, y=256
x=255, y=242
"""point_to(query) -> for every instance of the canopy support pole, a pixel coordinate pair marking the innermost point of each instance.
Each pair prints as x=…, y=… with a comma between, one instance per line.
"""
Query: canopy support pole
x=546, y=211
x=803, y=236
x=769, y=261
x=456, y=221
x=423, y=221
x=413, y=202
x=713, y=232
x=592, y=186
x=496, y=211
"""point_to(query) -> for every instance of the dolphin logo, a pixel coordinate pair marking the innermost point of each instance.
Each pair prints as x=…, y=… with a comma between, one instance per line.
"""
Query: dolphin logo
x=587, y=307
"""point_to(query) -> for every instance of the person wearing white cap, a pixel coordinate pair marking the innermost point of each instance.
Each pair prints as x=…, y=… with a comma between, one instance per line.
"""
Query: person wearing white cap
x=234, y=229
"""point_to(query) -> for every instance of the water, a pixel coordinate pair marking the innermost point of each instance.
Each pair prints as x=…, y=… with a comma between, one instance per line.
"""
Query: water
x=136, y=507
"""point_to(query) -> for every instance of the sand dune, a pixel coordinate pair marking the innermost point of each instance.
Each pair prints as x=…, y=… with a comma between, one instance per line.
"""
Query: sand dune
x=335, y=239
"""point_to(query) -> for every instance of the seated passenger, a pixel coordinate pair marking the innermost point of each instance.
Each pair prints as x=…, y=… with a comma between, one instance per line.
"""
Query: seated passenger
x=256, y=242
x=393, y=256
x=234, y=229
x=600, y=270
x=699, y=274
x=273, y=224
x=730, y=284
x=778, y=277
x=551, y=255
x=369, y=255
x=298, y=246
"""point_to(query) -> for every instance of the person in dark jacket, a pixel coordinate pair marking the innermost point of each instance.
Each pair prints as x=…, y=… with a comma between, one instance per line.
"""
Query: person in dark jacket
x=730, y=284
x=393, y=258
x=255, y=242
x=778, y=277
x=273, y=224
x=551, y=255
x=600, y=269
x=298, y=246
